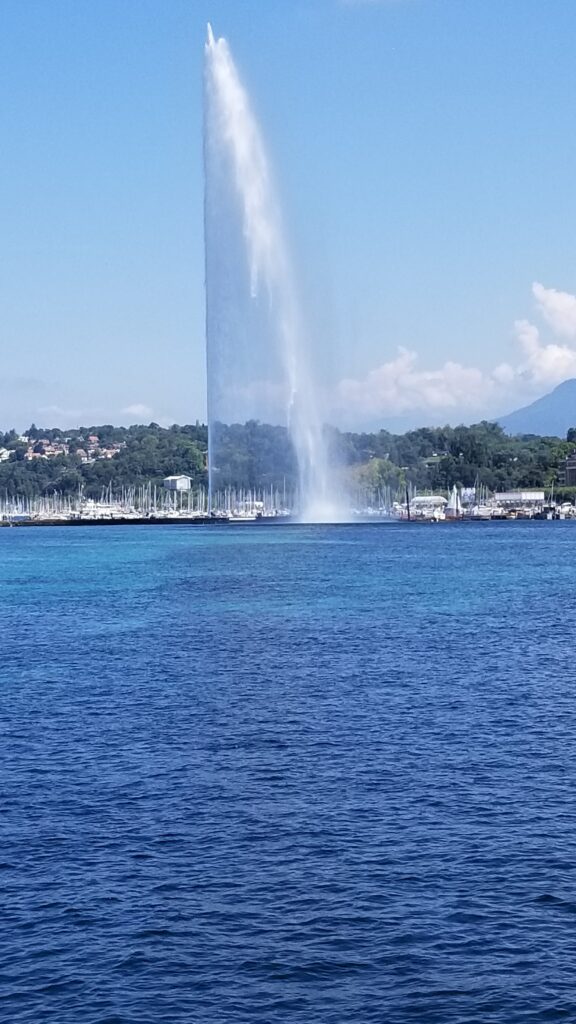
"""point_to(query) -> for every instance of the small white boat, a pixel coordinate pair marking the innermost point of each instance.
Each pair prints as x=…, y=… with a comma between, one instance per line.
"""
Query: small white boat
x=454, y=509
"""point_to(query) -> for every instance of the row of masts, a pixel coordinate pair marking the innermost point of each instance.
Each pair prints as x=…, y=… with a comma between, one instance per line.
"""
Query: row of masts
x=152, y=500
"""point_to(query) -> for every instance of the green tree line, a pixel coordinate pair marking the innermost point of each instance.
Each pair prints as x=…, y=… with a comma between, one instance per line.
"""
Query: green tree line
x=257, y=455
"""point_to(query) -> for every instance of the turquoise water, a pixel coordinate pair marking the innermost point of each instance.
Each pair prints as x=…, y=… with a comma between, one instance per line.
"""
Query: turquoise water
x=309, y=774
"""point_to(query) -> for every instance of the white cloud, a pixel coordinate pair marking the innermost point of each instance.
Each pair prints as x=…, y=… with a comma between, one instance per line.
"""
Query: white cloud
x=557, y=308
x=138, y=409
x=504, y=374
x=73, y=417
x=402, y=386
x=144, y=414
x=543, y=363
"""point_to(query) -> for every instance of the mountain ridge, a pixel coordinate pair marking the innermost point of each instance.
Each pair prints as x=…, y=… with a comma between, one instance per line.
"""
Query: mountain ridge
x=552, y=415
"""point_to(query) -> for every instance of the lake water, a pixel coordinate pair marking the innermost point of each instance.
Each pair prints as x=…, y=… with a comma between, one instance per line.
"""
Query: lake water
x=288, y=774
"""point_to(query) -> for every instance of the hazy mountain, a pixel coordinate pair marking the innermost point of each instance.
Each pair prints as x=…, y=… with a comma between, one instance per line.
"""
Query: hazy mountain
x=552, y=415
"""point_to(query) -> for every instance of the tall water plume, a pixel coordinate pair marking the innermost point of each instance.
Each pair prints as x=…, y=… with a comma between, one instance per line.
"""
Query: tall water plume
x=256, y=359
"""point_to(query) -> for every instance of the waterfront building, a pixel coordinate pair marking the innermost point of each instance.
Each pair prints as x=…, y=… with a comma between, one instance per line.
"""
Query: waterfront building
x=530, y=499
x=567, y=472
x=177, y=483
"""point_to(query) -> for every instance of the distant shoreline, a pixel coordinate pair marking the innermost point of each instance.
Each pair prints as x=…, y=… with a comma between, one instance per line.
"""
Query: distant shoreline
x=120, y=521
x=264, y=521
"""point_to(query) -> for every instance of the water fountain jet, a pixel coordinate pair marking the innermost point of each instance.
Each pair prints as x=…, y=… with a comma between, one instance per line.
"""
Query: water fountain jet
x=254, y=333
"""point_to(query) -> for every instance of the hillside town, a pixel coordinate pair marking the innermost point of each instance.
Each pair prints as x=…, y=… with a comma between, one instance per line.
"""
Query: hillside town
x=86, y=450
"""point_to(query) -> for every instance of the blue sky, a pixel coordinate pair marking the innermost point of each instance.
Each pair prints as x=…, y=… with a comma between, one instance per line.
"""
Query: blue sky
x=426, y=157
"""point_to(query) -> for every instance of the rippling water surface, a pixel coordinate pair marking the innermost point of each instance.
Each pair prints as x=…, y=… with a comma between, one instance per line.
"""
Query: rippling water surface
x=288, y=774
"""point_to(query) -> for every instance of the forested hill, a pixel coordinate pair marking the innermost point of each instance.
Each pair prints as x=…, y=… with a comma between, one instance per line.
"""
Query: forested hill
x=254, y=455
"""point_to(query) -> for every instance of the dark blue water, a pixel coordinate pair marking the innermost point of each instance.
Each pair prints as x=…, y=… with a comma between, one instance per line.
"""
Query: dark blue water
x=288, y=774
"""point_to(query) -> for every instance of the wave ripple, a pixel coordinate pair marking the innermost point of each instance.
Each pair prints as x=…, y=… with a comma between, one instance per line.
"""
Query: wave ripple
x=308, y=774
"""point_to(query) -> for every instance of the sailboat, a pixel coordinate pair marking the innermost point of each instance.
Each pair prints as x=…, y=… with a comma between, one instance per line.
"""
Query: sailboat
x=453, y=509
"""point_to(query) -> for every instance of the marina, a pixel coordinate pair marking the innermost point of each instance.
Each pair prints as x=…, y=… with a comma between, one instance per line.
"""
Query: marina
x=157, y=506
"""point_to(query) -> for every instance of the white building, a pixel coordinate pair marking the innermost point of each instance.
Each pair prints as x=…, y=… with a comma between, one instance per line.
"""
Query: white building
x=516, y=499
x=428, y=501
x=177, y=483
